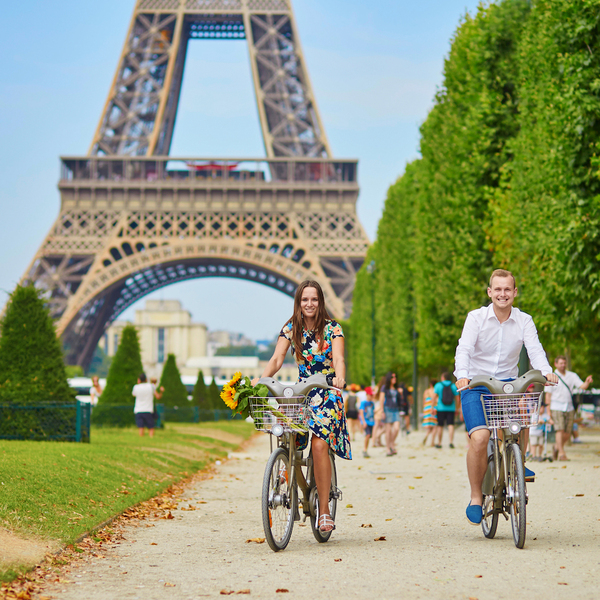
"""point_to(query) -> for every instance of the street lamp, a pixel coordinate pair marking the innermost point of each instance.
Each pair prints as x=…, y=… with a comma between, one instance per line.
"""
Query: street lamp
x=371, y=272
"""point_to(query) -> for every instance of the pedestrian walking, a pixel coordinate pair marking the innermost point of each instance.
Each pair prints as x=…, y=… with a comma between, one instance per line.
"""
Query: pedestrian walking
x=446, y=408
x=351, y=405
x=366, y=414
x=145, y=393
x=390, y=395
x=379, y=427
x=95, y=391
x=429, y=422
x=562, y=408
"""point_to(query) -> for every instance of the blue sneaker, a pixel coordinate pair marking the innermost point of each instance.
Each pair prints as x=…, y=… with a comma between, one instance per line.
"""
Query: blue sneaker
x=529, y=475
x=474, y=514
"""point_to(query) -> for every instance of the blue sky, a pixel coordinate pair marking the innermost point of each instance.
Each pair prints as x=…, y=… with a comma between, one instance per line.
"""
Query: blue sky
x=374, y=66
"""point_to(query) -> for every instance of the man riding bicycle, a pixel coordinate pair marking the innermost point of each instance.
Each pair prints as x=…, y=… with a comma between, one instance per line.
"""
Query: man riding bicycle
x=490, y=344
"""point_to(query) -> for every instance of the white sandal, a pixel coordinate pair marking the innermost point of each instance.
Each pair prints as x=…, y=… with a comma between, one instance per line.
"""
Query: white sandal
x=326, y=523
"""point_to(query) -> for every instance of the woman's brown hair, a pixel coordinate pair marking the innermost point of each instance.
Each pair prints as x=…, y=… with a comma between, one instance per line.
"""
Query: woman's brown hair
x=321, y=318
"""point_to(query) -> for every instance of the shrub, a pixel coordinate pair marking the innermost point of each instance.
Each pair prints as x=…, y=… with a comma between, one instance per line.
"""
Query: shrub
x=32, y=370
x=124, y=371
x=200, y=393
x=175, y=394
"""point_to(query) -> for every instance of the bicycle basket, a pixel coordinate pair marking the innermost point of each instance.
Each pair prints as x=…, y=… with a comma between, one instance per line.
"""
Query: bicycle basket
x=290, y=413
x=503, y=409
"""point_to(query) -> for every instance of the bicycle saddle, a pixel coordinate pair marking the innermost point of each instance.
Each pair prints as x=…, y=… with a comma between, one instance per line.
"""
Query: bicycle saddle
x=286, y=390
x=518, y=386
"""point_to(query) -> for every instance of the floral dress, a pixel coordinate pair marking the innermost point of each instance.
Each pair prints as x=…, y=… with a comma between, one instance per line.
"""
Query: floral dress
x=326, y=419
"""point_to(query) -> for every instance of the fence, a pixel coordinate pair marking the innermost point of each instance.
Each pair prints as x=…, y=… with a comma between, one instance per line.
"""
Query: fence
x=50, y=421
x=121, y=415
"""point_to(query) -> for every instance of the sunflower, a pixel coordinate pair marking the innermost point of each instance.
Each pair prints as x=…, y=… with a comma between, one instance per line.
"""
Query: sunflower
x=234, y=380
x=228, y=396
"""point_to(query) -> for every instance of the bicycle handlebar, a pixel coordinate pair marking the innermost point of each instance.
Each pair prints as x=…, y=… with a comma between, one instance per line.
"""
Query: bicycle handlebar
x=517, y=386
x=302, y=388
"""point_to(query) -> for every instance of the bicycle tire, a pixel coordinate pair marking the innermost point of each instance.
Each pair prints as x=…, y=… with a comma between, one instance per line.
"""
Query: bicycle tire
x=489, y=522
x=278, y=500
x=323, y=536
x=516, y=494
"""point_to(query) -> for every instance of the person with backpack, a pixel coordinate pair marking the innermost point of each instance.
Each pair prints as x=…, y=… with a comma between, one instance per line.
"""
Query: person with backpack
x=447, y=401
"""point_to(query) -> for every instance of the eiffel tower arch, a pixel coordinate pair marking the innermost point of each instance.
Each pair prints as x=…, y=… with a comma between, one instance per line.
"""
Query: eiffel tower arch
x=134, y=219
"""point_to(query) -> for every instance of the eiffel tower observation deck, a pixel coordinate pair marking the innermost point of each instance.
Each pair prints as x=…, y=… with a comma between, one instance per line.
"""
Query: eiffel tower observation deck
x=134, y=219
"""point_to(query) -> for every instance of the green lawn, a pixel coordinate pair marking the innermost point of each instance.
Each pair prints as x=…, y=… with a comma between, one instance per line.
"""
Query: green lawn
x=59, y=490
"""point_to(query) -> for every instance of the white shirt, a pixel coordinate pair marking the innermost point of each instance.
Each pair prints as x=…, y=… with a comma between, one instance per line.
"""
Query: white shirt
x=561, y=399
x=488, y=347
x=144, y=398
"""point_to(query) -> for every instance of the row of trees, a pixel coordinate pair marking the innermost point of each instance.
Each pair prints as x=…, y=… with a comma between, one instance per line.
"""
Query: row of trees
x=127, y=365
x=32, y=368
x=508, y=178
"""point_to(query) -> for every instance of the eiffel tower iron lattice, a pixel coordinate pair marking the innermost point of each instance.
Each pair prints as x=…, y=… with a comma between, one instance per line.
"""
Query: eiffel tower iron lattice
x=134, y=219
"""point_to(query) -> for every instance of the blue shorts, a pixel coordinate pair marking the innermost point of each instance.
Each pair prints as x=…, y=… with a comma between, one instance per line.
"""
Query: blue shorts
x=392, y=415
x=144, y=420
x=472, y=408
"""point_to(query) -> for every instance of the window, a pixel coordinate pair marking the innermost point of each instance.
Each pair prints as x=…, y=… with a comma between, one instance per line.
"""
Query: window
x=161, y=345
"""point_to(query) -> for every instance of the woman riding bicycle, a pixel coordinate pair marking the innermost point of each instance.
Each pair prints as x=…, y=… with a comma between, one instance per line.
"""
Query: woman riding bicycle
x=317, y=342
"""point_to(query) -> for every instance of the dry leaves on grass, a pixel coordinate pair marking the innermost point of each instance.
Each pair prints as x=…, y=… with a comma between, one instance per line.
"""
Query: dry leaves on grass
x=53, y=569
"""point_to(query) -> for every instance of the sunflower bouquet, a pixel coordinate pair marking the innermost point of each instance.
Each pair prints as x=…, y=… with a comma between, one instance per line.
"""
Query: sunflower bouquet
x=237, y=393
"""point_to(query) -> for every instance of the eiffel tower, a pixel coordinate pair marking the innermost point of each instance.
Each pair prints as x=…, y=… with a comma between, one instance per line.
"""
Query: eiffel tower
x=134, y=219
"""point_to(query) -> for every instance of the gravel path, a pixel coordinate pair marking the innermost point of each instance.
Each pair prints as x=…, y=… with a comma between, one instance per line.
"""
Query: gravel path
x=416, y=500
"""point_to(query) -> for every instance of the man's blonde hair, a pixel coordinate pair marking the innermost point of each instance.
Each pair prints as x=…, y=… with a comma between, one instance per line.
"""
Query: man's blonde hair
x=502, y=273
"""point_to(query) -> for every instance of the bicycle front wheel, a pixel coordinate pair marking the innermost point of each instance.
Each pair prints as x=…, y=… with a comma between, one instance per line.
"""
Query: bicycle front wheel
x=278, y=500
x=323, y=536
x=516, y=494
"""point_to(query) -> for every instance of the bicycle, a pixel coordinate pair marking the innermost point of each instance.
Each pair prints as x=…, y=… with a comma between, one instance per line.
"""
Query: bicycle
x=508, y=408
x=284, y=470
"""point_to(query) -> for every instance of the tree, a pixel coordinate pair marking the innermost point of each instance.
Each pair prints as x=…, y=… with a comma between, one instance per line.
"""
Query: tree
x=214, y=398
x=124, y=371
x=200, y=392
x=32, y=370
x=175, y=394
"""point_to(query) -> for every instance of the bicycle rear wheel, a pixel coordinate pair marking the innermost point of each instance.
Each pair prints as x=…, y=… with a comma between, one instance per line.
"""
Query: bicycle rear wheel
x=323, y=536
x=516, y=494
x=278, y=500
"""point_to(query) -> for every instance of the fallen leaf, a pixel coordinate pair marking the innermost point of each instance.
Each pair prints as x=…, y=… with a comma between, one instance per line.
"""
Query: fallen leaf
x=169, y=516
x=337, y=560
x=366, y=525
x=563, y=567
x=418, y=476
x=389, y=519
x=167, y=584
x=226, y=592
x=411, y=457
x=411, y=487
x=246, y=591
x=153, y=544
x=578, y=495
x=473, y=598
x=349, y=506
x=562, y=583
x=381, y=478
x=478, y=576
x=381, y=538
x=281, y=591
x=256, y=541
